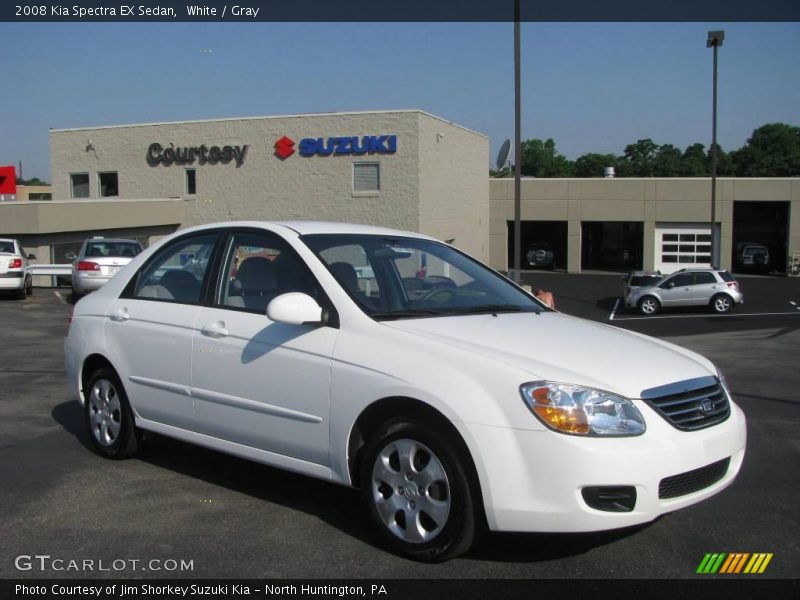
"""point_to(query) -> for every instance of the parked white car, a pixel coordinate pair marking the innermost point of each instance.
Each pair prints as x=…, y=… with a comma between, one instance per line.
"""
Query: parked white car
x=464, y=404
x=15, y=275
x=98, y=260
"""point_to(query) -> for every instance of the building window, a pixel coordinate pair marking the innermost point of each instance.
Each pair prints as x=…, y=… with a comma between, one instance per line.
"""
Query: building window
x=366, y=177
x=40, y=196
x=108, y=184
x=191, y=182
x=79, y=182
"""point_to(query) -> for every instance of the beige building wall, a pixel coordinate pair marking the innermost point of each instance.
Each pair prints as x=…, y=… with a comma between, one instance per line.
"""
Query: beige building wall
x=651, y=201
x=453, y=186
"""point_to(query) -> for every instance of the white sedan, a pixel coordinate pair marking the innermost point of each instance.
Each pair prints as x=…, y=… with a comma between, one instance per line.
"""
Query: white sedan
x=15, y=275
x=391, y=362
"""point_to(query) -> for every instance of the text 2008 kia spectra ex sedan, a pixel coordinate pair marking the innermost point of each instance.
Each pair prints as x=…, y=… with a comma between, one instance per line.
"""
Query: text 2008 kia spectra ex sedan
x=391, y=362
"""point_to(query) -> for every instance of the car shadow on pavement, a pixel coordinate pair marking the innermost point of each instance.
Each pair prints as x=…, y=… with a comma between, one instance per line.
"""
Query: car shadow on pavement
x=539, y=547
x=69, y=415
x=607, y=304
x=338, y=506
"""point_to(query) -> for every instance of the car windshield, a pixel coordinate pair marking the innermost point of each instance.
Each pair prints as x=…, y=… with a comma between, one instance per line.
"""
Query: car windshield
x=400, y=277
x=109, y=248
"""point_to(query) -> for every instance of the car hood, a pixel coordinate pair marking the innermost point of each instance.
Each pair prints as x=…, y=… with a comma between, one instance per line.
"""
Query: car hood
x=556, y=347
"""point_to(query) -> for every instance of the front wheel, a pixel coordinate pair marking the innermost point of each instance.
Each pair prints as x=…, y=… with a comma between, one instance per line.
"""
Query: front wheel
x=108, y=416
x=649, y=305
x=417, y=492
x=722, y=303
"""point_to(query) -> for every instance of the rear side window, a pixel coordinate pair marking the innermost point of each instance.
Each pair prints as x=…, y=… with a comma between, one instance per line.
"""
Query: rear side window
x=704, y=278
x=177, y=272
x=725, y=276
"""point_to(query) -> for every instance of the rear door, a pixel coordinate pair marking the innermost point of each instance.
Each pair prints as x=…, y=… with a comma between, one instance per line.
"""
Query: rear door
x=704, y=288
x=149, y=331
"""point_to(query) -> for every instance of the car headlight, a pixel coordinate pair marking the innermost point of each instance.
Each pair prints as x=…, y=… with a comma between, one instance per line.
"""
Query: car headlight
x=579, y=410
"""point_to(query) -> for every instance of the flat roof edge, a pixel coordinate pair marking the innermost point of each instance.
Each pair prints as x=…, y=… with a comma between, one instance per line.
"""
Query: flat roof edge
x=269, y=117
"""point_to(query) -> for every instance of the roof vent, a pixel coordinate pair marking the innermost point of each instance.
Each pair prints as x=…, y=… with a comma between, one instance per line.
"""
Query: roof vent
x=608, y=172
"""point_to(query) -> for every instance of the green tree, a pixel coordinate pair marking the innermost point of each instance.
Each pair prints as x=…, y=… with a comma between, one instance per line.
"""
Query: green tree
x=592, y=164
x=725, y=164
x=694, y=162
x=33, y=181
x=641, y=157
x=667, y=161
x=540, y=159
x=772, y=151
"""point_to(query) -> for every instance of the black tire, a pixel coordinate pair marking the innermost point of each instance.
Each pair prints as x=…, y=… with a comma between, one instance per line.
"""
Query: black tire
x=29, y=287
x=442, y=539
x=722, y=304
x=108, y=416
x=649, y=305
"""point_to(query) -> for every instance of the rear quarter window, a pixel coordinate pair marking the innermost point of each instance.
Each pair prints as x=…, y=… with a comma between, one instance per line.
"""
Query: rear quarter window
x=725, y=276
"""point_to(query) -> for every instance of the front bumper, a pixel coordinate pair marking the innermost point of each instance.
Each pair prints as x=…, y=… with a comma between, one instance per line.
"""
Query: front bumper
x=533, y=480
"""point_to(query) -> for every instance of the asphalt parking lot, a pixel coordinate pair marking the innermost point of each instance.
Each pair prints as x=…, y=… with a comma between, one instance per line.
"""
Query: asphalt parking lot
x=234, y=518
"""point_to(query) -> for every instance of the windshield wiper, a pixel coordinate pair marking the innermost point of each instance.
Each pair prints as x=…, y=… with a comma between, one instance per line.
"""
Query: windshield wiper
x=408, y=314
x=492, y=308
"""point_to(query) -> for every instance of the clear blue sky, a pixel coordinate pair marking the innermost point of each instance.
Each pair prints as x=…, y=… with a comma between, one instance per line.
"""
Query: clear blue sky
x=591, y=87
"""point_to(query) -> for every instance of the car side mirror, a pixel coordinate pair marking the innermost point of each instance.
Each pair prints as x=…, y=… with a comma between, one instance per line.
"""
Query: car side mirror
x=70, y=256
x=295, y=308
x=31, y=257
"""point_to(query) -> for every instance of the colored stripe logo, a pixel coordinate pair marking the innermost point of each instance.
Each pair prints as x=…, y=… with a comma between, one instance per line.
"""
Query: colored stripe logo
x=734, y=563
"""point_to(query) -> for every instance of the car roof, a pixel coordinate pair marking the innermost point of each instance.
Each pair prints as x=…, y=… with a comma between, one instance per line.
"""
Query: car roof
x=312, y=227
x=111, y=240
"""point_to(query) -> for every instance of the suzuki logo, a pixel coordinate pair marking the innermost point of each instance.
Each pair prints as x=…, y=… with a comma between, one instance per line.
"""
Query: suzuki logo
x=284, y=147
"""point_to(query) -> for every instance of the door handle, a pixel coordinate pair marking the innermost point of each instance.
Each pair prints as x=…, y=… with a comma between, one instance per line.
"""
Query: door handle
x=120, y=316
x=216, y=329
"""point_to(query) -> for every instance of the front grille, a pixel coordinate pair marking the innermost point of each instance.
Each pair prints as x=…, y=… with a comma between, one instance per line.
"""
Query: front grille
x=690, y=405
x=693, y=481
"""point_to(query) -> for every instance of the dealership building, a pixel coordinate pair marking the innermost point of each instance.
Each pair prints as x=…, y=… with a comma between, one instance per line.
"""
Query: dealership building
x=401, y=169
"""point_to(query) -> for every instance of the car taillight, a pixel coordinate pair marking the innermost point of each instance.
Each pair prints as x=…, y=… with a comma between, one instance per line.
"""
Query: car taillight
x=15, y=263
x=733, y=285
x=87, y=265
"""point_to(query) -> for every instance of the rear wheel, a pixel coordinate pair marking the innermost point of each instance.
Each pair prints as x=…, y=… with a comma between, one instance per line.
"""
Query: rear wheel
x=417, y=492
x=649, y=305
x=722, y=303
x=108, y=416
x=29, y=287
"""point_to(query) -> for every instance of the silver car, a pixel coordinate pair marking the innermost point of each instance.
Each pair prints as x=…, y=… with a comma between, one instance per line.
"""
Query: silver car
x=688, y=287
x=98, y=261
x=14, y=274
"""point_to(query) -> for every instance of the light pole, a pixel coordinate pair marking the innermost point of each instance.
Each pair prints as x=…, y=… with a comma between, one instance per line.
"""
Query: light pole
x=517, y=277
x=714, y=40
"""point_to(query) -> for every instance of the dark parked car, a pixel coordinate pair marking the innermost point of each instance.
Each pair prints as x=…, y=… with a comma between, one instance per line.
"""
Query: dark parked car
x=752, y=256
x=541, y=256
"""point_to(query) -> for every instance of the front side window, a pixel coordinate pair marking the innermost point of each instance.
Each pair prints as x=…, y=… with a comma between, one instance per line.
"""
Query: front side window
x=260, y=267
x=79, y=185
x=394, y=278
x=108, y=184
x=682, y=280
x=177, y=272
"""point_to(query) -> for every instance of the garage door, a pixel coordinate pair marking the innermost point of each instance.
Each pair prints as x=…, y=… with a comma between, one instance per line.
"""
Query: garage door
x=681, y=246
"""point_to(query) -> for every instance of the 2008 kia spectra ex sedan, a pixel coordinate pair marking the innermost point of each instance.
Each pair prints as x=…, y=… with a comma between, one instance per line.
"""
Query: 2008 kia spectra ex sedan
x=390, y=362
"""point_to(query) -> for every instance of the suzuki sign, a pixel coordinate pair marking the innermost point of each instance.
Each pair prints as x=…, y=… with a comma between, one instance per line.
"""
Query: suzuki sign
x=338, y=146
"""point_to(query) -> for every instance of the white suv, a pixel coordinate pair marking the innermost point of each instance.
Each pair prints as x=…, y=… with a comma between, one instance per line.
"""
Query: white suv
x=391, y=362
x=15, y=275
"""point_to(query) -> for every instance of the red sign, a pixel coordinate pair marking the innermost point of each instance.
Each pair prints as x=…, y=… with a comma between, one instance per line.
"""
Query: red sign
x=8, y=181
x=284, y=147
